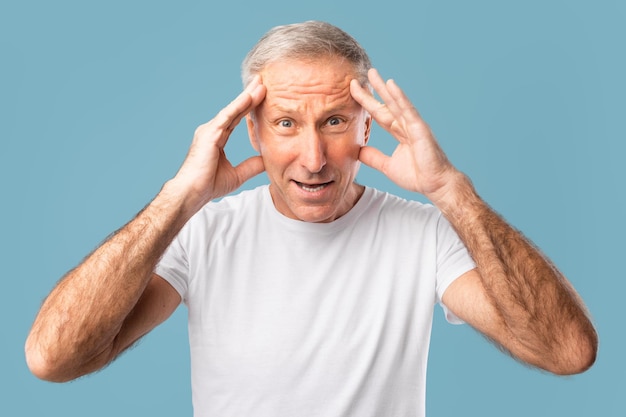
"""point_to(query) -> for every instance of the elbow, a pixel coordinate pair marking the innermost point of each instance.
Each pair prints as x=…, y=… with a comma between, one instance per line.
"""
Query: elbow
x=42, y=365
x=578, y=356
x=585, y=359
x=41, y=368
x=58, y=364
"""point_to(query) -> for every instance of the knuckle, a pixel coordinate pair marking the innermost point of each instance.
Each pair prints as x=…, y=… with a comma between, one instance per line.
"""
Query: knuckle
x=202, y=130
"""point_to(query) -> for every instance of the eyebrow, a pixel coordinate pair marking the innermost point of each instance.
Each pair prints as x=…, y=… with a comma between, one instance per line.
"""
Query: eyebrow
x=336, y=109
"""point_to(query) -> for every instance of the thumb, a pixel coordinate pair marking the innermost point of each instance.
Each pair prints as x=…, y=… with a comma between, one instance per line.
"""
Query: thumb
x=373, y=158
x=249, y=168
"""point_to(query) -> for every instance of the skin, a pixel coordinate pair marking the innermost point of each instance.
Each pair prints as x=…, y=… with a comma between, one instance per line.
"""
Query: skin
x=516, y=296
x=311, y=132
x=113, y=297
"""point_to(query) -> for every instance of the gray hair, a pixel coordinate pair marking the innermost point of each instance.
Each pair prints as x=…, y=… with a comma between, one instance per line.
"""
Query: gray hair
x=307, y=40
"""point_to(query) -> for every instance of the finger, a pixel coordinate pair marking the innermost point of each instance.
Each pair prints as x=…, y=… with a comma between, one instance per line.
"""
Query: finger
x=363, y=96
x=232, y=114
x=403, y=114
x=382, y=88
x=379, y=85
x=376, y=109
x=373, y=157
x=388, y=91
x=394, y=97
x=249, y=168
x=400, y=100
x=380, y=112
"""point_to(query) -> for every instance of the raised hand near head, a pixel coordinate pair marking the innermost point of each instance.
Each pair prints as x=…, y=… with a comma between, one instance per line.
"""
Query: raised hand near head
x=418, y=163
x=207, y=173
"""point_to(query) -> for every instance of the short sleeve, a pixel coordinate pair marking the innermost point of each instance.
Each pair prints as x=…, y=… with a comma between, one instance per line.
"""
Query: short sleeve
x=174, y=267
x=453, y=260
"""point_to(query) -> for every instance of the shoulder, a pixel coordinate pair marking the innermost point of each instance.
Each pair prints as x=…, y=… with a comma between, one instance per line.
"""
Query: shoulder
x=393, y=207
x=227, y=211
x=243, y=201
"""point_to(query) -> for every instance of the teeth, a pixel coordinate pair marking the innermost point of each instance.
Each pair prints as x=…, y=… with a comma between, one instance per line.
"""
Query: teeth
x=312, y=189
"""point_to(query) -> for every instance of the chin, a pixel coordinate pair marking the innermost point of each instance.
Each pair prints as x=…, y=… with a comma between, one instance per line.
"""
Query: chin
x=315, y=215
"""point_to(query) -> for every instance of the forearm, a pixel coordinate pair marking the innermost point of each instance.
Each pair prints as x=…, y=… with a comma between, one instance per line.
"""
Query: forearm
x=89, y=317
x=76, y=329
x=516, y=296
x=540, y=317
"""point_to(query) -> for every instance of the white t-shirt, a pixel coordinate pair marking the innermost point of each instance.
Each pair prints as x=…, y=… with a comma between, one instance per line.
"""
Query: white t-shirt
x=288, y=318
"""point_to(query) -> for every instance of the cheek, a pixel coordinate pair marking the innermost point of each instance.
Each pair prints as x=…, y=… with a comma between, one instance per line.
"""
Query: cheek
x=345, y=156
x=351, y=145
x=276, y=157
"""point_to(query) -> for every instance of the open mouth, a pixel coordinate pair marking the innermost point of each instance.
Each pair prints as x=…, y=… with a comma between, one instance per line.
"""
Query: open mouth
x=312, y=188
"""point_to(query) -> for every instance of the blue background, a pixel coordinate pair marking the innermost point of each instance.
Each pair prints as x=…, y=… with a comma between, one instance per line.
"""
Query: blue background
x=99, y=101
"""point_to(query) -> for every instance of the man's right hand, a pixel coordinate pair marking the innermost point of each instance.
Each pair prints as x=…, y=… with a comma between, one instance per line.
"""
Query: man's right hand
x=113, y=297
x=206, y=173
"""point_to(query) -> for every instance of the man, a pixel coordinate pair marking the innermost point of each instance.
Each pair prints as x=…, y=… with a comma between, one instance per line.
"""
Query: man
x=313, y=295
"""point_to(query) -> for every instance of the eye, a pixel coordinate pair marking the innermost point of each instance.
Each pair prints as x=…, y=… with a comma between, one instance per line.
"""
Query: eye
x=336, y=124
x=334, y=121
x=285, y=123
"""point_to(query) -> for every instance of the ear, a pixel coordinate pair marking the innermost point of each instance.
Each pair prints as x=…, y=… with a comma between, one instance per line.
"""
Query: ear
x=368, y=127
x=252, y=133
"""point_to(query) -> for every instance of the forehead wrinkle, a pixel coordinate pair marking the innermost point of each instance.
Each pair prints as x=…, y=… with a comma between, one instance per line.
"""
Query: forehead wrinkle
x=312, y=87
x=297, y=86
x=300, y=103
x=297, y=100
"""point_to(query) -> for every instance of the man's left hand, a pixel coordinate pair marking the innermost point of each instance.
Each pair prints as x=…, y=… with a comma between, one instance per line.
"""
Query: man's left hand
x=418, y=162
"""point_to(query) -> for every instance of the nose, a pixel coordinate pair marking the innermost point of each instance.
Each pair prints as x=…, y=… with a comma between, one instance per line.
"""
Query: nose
x=313, y=151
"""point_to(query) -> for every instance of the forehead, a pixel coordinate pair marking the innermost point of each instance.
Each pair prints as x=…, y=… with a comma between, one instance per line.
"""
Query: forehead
x=325, y=80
